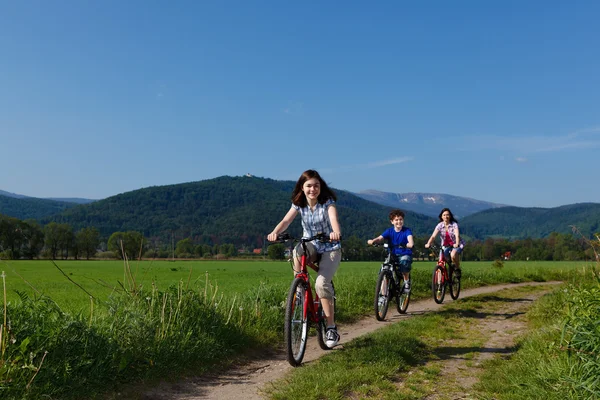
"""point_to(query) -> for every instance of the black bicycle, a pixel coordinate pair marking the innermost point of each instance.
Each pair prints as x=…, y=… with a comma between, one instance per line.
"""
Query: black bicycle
x=390, y=285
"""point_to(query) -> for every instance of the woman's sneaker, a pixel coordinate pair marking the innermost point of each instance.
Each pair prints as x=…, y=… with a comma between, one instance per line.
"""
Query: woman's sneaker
x=332, y=337
x=406, y=286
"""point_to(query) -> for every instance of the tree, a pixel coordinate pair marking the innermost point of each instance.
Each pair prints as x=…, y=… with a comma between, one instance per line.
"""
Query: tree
x=353, y=249
x=34, y=239
x=87, y=241
x=276, y=251
x=66, y=239
x=184, y=248
x=52, y=239
x=131, y=242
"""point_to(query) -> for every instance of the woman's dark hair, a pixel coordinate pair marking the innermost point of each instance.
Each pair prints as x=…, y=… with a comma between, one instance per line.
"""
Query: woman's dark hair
x=298, y=197
x=452, y=219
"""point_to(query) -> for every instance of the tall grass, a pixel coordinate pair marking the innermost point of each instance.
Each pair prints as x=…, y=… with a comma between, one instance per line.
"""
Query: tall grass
x=134, y=335
x=560, y=357
x=141, y=332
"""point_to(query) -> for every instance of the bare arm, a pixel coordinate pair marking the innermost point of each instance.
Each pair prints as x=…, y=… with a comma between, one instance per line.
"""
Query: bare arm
x=283, y=225
x=433, y=235
x=457, y=233
x=336, y=234
x=378, y=239
x=411, y=242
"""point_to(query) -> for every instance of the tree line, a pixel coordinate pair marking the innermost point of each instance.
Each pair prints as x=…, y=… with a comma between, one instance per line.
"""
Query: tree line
x=29, y=240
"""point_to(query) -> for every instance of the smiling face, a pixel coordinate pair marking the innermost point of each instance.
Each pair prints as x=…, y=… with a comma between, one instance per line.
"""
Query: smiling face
x=398, y=223
x=312, y=189
x=446, y=217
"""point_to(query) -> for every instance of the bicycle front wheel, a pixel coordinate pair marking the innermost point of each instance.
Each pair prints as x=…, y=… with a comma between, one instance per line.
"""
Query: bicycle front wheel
x=454, y=284
x=403, y=299
x=438, y=286
x=296, y=322
x=382, y=294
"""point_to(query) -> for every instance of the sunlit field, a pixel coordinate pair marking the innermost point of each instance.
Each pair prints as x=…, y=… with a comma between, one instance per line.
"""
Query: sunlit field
x=81, y=279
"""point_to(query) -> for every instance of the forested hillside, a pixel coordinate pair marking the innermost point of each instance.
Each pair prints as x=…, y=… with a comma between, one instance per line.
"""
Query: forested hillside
x=520, y=223
x=31, y=208
x=238, y=210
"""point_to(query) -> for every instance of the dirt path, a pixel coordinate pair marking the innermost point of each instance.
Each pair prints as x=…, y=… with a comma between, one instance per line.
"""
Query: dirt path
x=246, y=381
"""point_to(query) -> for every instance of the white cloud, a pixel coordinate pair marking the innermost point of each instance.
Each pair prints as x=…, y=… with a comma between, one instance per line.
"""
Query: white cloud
x=384, y=163
x=294, y=108
x=374, y=164
x=521, y=159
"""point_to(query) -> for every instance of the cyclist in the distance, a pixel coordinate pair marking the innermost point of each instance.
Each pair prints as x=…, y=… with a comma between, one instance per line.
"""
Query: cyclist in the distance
x=315, y=202
x=399, y=235
x=450, y=236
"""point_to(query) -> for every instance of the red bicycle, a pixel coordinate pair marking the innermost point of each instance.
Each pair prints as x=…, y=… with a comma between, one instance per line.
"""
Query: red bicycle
x=444, y=275
x=303, y=306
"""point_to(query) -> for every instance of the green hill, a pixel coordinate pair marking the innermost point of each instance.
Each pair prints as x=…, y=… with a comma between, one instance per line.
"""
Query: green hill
x=31, y=207
x=520, y=223
x=239, y=210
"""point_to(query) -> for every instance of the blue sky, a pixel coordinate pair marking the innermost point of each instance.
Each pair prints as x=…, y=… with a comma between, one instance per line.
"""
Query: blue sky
x=492, y=100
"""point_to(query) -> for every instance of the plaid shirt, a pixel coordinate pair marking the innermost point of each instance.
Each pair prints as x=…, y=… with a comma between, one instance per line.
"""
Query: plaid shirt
x=317, y=221
x=452, y=228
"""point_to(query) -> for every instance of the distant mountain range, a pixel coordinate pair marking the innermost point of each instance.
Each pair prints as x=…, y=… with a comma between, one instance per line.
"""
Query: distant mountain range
x=75, y=200
x=428, y=203
x=242, y=210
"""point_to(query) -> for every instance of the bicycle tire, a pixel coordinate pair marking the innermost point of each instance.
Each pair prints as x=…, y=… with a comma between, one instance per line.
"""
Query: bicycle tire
x=382, y=294
x=454, y=285
x=322, y=324
x=438, y=286
x=296, y=322
x=402, y=299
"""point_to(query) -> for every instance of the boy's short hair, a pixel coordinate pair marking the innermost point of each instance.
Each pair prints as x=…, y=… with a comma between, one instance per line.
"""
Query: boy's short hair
x=396, y=213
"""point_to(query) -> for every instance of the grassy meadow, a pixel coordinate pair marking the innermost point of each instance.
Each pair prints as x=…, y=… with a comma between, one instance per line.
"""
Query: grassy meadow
x=159, y=319
x=70, y=283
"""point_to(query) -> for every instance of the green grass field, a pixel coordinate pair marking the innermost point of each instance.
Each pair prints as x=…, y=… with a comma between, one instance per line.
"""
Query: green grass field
x=101, y=278
x=182, y=317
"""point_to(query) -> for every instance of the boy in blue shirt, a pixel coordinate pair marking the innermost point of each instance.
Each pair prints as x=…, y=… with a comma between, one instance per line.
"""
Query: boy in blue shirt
x=399, y=235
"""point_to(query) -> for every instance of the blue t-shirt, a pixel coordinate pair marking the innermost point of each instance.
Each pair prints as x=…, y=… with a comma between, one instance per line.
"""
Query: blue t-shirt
x=395, y=238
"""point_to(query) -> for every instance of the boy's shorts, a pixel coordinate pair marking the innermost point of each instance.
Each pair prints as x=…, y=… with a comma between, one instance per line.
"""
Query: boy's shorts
x=405, y=264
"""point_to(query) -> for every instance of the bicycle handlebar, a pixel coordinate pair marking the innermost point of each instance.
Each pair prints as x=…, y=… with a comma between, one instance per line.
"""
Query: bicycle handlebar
x=286, y=237
x=400, y=246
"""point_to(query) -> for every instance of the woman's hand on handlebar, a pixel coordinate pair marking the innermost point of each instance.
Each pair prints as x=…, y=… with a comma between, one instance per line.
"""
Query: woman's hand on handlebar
x=427, y=245
x=335, y=236
x=272, y=237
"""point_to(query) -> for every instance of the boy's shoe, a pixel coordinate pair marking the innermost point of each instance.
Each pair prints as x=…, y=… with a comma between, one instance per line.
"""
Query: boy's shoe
x=407, y=287
x=457, y=272
x=332, y=337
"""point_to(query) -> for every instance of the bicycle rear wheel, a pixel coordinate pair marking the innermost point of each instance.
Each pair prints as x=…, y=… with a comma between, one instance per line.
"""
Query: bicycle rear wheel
x=454, y=284
x=322, y=325
x=438, y=286
x=382, y=294
x=402, y=299
x=296, y=322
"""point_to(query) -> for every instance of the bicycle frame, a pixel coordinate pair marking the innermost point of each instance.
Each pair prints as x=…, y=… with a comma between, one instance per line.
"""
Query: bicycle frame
x=390, y=286
x=443, y=277
x=445, y=264
x=311, y=306
x=303, y=305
